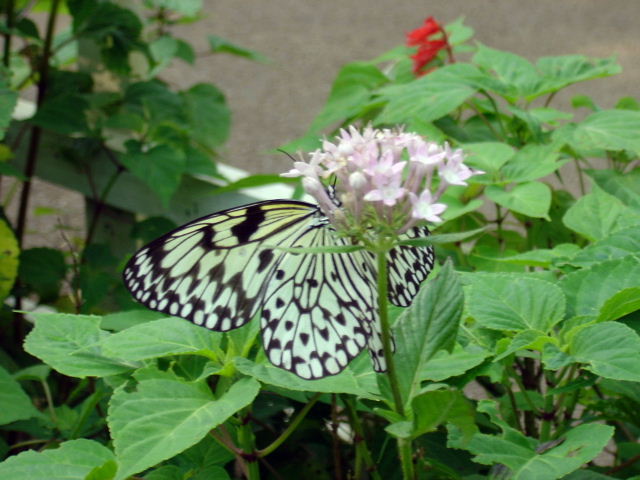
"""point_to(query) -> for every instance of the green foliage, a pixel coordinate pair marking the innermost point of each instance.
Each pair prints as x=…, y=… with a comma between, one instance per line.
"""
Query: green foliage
x=517, y=359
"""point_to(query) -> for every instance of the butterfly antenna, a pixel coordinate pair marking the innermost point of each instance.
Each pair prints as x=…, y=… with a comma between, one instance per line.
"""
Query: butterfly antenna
x=287, y=154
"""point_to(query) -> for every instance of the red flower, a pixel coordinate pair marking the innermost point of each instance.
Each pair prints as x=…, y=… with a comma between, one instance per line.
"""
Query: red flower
x=421, y=34
x=428, y=47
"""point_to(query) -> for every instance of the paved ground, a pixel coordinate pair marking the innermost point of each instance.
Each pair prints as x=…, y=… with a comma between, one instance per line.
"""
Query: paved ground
x=309, y=41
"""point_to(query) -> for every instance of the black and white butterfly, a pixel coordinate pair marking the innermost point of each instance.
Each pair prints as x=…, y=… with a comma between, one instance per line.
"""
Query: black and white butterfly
x=318, y=311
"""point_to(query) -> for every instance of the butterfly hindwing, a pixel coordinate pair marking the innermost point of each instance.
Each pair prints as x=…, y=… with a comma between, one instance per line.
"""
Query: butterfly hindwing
x=316, y=318
x=408, y=268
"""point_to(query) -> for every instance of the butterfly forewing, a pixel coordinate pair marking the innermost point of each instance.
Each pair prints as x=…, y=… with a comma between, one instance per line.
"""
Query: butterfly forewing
x=212, y=270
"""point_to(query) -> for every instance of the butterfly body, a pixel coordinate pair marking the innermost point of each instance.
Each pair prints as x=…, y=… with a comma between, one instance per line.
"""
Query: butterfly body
x=318, y=311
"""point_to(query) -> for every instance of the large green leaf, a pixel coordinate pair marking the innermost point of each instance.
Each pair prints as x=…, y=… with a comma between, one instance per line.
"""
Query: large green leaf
x=615, y=246
x=531, y=163
x=166, y=415
x=589, y=289
x=488, y=156
x=610, y=349
x=516, y=76
x=542, y=257
x=428, y=325
x=532, y=199
x=430, y=97
x=434, y=408
x=608, y=130
x=357, y=379
x=520, y=455
x=72, y=460
x=515, y=302
x=623, y=186
x=445, y=364
x=167, y=336
x=598, y=214
x=14, y=403
x=561, y=71
x=72, y=344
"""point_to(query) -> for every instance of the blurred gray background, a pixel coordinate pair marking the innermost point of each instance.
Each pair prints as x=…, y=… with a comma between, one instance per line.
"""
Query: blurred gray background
x=308, y=42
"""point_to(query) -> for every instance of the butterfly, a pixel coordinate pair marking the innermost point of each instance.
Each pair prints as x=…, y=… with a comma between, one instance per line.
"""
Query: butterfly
x=318, y=310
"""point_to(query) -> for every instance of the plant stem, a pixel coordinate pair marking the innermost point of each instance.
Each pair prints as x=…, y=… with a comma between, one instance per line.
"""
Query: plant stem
x=383, y=307
x=290, y=429
x=360, y=442
x=580, y=176
x=247, y=443
x=10, y=11
x=36, y=132
x=404, y=445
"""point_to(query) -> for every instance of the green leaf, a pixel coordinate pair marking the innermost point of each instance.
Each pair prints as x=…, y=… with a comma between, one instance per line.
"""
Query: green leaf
x=165, y=416
x=440, y=238
x=208, y=115
x=432, y=409
x=115, y=29
x=42, y=270
x=608, y=130
x=542, y=257
x=160, y=167
x=531, y=163
x=435, y=408
x=622, y=303
x=445, y=364
x=357, y=379
x=518, y=453
x=623, y=186
x=564, y=70
x=159, y=338
x=610, y=349
x=72, y=460
x=163, y=49
x=487, y=156
x=14, y=403
x=588, y=290
x=9, y=252
x=430, y=97
x=532, y=199
x=64, y=114
x=515, y=302
x=526, y=340
x=428, y=325
x=615, y=246
x=318, y=250
x=220, y=45
x=598, y=214
x=516, y=76
x=8, y=100
x=254, y=181
x=71, y=344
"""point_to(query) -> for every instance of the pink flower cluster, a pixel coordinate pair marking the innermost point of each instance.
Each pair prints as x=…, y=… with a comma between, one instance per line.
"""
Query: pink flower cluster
x=383, y=177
